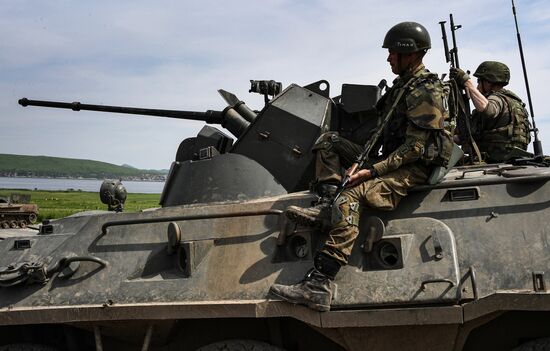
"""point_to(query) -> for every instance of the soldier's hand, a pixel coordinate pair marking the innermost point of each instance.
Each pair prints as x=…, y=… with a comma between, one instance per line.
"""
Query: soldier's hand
x=459, y=76
x=359, y=177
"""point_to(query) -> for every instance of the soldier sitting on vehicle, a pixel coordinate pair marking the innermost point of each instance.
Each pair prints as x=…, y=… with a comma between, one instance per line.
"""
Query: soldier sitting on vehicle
x=500, y=124
x=414, y=141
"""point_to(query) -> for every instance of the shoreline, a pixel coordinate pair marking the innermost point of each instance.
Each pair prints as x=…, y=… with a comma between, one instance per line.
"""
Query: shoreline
x=128, y=179
x=77, y=184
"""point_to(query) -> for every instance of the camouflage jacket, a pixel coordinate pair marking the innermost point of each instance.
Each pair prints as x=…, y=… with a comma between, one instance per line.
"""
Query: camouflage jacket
x=416, y=131
x=503, y=125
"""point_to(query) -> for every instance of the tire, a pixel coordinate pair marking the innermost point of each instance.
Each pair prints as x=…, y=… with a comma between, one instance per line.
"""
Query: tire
x=26, y=347
x=13, y=224
x=239, y=345
x=5, y=225
x=535, y=345
x=22, y=223
x=32, y=218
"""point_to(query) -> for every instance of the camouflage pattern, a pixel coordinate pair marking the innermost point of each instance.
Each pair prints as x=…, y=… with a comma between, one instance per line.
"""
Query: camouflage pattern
x=494, y=72
x=414, y=140
x=407, y=37
x=380, y=193
x=418, y=132
x=427, y=103
x=502, y=126
x=333, y=153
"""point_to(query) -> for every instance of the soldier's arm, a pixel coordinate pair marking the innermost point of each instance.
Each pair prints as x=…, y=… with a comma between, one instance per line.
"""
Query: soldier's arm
x=479, y=101
x=494, y=107
x=489, y=107
x=426, y=110
x=410, y=151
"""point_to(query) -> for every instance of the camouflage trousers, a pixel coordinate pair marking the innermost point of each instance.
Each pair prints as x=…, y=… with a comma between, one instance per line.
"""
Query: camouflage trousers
x=381, y=193
x=333, y=154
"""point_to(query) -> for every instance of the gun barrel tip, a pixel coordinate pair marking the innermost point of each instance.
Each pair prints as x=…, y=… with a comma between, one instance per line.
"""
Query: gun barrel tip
x=23, y=102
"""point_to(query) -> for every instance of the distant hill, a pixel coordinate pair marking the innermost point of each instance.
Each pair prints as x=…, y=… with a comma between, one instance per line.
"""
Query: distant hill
x=58, y=167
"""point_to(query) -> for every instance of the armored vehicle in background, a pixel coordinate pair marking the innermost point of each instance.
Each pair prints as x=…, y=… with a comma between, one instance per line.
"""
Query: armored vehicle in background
x=17, y=212
x=460, y=265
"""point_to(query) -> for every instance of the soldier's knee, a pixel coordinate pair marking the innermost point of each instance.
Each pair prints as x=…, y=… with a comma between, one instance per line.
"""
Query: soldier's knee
x=345, y=212
x=326, y=141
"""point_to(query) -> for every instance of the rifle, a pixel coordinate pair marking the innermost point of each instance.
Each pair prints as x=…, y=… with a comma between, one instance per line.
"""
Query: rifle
x=448, y=56
x=363, y=157
x=464, y=115
x=361, y=160
x=452, y=54
x=454, y=50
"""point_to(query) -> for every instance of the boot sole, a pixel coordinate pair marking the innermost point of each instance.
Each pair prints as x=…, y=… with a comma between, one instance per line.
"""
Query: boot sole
x=314, y=306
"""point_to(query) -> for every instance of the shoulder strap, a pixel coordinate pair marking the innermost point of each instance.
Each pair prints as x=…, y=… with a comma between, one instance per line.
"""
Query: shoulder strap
x=507, y=94
x=372, y=141
x=466, y=117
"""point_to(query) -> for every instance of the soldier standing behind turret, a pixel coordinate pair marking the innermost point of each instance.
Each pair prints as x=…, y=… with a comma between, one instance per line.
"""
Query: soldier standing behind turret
x=414, y=141
x=500, y=121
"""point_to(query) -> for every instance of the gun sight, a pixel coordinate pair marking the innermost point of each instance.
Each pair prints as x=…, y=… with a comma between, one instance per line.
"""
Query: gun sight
x=265, y=87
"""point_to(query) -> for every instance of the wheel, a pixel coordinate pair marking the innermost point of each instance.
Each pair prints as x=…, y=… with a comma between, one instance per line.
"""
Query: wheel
x=22, y=223
x=32, y=218
x=13, y=224
x=5, y=225
x=535, y=345
x=239, y=345
x=26, y=347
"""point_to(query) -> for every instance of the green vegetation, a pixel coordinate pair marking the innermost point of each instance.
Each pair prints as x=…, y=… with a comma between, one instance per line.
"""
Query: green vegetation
x=45, y=166
x=58, y=204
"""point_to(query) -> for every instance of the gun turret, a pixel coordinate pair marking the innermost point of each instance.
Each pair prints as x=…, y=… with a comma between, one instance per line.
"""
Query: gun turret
x=272, y=152
x=229, y=118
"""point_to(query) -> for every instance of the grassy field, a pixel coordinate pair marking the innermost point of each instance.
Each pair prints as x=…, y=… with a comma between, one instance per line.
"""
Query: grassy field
x=57, y=204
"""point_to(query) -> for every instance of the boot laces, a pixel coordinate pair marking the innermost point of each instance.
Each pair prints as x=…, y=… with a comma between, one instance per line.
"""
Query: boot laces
x=314, y=274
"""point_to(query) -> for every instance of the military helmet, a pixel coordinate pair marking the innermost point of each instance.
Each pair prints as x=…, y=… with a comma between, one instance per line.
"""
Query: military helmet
x=406, y=37
x=494, y=72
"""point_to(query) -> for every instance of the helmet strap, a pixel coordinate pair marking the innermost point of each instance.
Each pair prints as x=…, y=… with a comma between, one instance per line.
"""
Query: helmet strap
x=411, y=66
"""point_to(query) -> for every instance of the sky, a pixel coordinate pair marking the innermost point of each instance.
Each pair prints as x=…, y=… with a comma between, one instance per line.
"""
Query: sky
x=177, y=54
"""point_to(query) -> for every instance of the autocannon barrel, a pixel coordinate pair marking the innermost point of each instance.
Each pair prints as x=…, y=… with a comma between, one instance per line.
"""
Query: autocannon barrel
x=209, y=116
x=228, y=118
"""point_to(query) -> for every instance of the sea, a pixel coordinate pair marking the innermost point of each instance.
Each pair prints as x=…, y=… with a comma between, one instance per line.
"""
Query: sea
x=76, y=184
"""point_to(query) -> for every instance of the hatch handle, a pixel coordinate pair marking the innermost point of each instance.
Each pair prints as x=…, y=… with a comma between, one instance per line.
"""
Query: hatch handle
x=433, y=281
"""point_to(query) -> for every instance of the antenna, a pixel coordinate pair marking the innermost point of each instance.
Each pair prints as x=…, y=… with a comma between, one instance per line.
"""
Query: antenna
x=537, y=145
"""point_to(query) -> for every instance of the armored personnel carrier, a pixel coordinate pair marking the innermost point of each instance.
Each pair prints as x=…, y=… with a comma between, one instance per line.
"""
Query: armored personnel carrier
x=460, y=265
x=16, y=212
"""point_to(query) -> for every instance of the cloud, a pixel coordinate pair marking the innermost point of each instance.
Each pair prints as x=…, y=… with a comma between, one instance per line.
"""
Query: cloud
x=175, y=55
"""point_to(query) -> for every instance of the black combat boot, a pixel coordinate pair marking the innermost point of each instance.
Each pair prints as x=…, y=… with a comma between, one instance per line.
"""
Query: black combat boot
x=319, y=212
x=315, y=290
